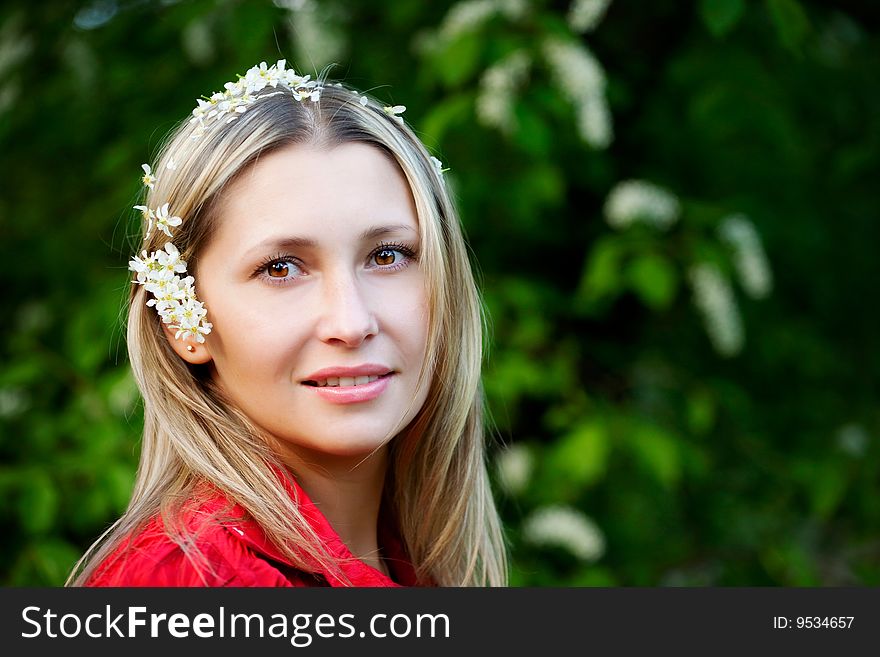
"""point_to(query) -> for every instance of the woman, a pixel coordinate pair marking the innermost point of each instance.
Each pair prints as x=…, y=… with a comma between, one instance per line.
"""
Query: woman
x=324, y=427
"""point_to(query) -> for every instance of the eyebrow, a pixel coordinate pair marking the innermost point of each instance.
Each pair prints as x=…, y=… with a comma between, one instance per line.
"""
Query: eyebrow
x=305, y=242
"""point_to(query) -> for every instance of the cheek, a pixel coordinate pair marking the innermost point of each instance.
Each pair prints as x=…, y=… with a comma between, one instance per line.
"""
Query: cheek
x=410, y=302
x=409, y=311
x=248, y=339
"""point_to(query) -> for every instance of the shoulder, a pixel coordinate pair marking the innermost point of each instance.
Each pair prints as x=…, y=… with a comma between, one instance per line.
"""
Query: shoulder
x=210, y=554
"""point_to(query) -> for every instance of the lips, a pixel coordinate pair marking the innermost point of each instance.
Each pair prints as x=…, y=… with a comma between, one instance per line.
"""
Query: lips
x=347, y=376
x=350, y=385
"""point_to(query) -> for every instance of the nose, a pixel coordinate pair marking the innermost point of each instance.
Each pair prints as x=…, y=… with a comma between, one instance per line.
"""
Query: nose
x=347, y=317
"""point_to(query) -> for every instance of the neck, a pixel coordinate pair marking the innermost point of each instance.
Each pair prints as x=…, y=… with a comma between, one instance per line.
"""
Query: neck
x=348, y=491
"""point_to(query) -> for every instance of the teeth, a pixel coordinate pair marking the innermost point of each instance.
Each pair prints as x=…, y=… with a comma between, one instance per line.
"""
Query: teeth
x=348, y=381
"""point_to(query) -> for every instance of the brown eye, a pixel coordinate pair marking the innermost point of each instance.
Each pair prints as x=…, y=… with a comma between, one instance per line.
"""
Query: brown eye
x=384, y=257
x=279, y=270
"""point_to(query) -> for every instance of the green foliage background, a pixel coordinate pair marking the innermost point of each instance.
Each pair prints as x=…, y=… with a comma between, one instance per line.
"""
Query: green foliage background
x=694, y=467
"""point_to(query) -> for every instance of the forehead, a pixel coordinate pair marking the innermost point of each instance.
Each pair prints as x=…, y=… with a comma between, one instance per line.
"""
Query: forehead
x=316, y=194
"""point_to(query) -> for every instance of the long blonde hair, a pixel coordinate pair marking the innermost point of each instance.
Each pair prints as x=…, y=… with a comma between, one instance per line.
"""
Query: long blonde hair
x=436, y=480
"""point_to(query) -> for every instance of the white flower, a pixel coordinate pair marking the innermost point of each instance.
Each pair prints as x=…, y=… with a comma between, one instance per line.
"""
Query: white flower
x=164, y=222
x=171, y=314
x=188, y=313
x=196, y=331
x=512, y=9
x=575, y=69
x=167, y=294
x=258, y=77
x=466, y=16
x=292, y=79
x=633, y=201
x=438, y=165
x=581, y=78
x=200, y=113
x=198, y=131
x=233, y=89
x=498, y=88
x=585, y=15
x=594, y=122
x=750, y=259
x=169, y=259
x=306, y=93
x=469, y=15
x=149, y=216
x=230, y=103
x=13, y=401
x=853, y=439
x=148, y=178
x=172, y=165
x=565, y=527
x=514, y=466
x=262, y=76
x=714, y=299
x=395, y=112
x=173, y=297
x=233, y=104
x=144, y=266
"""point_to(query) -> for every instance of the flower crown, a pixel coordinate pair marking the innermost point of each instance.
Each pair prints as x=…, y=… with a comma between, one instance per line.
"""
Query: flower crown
x=162, y=273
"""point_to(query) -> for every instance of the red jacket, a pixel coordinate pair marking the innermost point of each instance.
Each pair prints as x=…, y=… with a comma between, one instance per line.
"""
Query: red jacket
x=239, y=554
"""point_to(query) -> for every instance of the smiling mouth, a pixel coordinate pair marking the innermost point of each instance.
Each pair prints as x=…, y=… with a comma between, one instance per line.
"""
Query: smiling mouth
x=345, y=381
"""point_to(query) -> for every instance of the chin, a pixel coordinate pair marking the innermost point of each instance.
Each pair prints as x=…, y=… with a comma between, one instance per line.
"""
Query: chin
x=352, y=445
x=340, y=444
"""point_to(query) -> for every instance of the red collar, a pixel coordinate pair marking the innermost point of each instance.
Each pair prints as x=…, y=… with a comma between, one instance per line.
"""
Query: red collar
x=356, y=571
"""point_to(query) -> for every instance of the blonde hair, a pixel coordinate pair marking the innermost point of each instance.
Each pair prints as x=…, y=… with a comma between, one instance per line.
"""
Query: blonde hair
x=437, y=478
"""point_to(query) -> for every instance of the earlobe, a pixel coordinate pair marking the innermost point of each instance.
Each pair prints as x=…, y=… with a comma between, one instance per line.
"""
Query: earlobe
x=189, y=350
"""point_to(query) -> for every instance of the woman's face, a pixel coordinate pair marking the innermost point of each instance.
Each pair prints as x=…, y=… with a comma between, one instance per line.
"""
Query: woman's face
x=318, y=303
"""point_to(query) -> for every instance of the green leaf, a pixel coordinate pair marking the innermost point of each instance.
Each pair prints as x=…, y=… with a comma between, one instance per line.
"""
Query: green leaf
x=791, y=21
x=658, y=451
x=543, y=184
x=117, y=482
x=790, y=564
x=593, y=576
x=700, y=411
x=533, y=134
x=449, y=112
x=459, y=59
x=46, y=563
x=654, y=279
x=602, y=272
x=721, y=16
x=37, y=503
x=87, y=336
x=514, y=374
x=23, y=371
x=827, y=488
x=581, y=457
x=93, y=508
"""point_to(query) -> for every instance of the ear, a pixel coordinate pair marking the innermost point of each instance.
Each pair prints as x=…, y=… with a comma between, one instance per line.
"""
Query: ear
x=191, y=351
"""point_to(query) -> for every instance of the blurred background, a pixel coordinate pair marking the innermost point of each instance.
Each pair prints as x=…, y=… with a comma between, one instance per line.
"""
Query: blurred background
x=671, y=211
